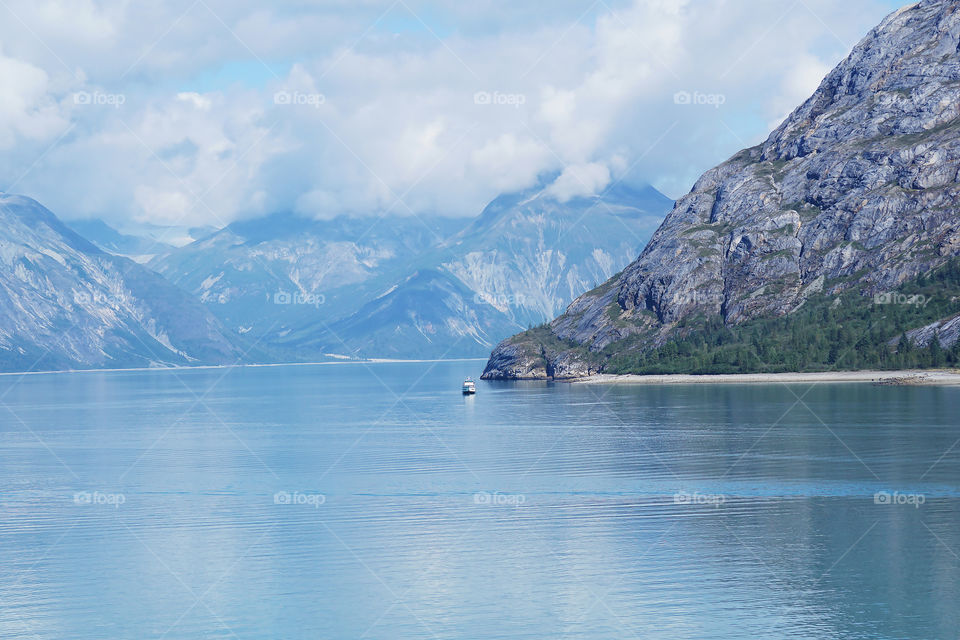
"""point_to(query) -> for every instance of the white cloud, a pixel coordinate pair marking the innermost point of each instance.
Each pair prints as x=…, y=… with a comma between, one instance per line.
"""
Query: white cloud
x=27, y=110
x=508, y=162
x=198, y=101
x=380, y=114
x=800, y=80
x=580, y=180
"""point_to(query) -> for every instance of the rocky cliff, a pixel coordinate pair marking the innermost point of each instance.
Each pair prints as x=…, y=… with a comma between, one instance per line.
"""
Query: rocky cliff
x=856, y=190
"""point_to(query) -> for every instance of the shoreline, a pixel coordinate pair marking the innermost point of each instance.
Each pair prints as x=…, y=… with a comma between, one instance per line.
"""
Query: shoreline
x=893, y=378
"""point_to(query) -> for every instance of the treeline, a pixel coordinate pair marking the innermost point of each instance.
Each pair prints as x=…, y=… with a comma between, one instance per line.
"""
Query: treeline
x=826, y=333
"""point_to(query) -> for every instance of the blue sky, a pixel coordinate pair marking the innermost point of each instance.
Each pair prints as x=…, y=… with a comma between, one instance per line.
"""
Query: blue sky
x=207, y=111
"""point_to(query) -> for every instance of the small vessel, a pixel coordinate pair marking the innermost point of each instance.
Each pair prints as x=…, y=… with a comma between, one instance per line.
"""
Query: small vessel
x=469, y=387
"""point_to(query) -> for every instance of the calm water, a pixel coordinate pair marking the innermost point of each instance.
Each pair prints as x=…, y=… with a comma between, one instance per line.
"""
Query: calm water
x=350, y=501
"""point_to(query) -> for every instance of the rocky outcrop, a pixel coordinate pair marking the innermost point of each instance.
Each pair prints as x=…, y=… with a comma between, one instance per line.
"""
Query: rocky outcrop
x=946, y=330
x=857, y=189
x=516, y=361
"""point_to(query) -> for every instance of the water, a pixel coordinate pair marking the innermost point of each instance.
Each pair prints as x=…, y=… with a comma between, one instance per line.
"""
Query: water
x=354, y=501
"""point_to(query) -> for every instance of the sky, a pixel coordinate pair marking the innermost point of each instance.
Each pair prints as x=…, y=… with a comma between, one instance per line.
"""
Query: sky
x=202, y=112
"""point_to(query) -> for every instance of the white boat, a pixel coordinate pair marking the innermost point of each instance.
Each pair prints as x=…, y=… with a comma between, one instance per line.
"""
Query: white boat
x=469, y=387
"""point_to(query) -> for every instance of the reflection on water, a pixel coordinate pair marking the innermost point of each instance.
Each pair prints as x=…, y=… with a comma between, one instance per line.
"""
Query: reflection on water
x=378, y=502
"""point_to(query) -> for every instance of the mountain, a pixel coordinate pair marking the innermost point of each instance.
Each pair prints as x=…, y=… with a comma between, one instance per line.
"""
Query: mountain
x=807, y=251
x=412, y=287
x=430, y=314
x=177, y=235
x=112, y=241
x=265, y=276
x=66, y=303
x=529, y=255
x=519, y=263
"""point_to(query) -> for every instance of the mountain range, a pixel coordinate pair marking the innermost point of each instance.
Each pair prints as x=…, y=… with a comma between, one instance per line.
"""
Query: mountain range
x=289, y=288
x=830, y=245
x=521, y=261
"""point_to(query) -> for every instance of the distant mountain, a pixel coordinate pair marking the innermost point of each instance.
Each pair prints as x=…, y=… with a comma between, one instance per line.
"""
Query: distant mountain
x=65, y=303
x=407, y=286
x=429, y=314
x=138, y=248
x=520, y=262
x=529, y=255
x=833, y=244
x=177, y=235
x=263, y=277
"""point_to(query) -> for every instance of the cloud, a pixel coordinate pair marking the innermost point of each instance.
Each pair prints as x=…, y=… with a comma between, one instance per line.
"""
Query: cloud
x=200, y=102
x=203, y=113
x=579, y=180
x=799, y=80
x=27, y=108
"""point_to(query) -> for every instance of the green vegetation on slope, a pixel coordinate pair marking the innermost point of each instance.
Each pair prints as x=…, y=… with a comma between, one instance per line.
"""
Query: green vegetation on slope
x=827, y=333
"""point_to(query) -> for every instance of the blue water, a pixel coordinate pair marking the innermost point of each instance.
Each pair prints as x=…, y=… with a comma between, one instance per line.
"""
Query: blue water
x=374, y=501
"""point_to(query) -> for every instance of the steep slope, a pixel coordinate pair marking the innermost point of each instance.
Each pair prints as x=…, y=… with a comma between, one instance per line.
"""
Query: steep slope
x=519, y=263
x=65, y=303
x=855, y=192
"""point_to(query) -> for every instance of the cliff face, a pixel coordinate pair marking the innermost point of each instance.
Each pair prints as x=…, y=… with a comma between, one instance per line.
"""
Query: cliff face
x=856, y=189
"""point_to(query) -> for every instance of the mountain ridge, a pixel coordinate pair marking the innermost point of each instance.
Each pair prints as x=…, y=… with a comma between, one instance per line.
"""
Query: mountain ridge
x=70, y=305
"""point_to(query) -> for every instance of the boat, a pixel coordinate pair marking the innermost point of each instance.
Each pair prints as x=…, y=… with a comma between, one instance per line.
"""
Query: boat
x=469, y=387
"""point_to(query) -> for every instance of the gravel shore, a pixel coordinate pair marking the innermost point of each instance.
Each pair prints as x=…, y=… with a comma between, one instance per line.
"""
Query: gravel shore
x=938, y=377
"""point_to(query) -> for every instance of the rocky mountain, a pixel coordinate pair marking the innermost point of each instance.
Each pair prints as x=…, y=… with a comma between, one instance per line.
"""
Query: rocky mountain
x=65, y=303
x=854, y=193
x=518, y=264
